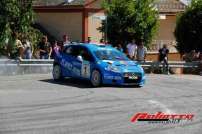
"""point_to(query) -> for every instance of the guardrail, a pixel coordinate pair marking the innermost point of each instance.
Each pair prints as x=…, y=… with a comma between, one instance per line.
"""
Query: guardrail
x=16, y=67
x=24, y=62
x=45, y=66
x=176, y=67
x=174, y=64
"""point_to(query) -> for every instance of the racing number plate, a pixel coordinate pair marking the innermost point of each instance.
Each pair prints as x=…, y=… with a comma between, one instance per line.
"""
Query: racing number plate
x=133, y=77
x=85, y=69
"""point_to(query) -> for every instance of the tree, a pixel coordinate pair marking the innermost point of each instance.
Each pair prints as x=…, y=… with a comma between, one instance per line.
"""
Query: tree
x=130, y=19
x=16, y=16
x=188, y=30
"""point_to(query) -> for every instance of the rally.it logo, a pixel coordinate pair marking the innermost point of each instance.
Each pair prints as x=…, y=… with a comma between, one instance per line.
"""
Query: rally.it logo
x=161, y=117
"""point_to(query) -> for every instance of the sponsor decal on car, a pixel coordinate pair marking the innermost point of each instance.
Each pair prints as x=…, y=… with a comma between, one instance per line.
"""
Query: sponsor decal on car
x=85, y=69
x=109, y=77
x=66, y=64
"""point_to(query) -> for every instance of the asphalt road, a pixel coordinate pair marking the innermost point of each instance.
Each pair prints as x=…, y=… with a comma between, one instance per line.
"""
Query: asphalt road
x=34, y=104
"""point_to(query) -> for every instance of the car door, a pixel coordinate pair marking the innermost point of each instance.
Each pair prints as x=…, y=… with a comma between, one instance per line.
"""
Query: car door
x=87, y=63
x=76, y=61
x=82, y=62
x=66, y=61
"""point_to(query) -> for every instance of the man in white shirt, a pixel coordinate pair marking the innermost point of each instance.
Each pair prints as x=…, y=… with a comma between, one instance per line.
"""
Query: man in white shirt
x=141, y=52
x=131, y=50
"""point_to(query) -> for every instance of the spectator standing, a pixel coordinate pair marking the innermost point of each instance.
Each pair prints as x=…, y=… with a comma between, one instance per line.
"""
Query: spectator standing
x=200, y=56
x=163, y=57
x=45, y=49
x=27, y=49
x=102, y=42
x=56, y=48
x=119, y=47
x=200, y=59
x=66, y=40
x=141, y=52
x=191, y=56
x=15, y=47
x=89, y=40
x=131, y=50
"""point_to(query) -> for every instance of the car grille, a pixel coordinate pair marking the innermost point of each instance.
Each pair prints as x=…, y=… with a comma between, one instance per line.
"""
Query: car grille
x=132, y=78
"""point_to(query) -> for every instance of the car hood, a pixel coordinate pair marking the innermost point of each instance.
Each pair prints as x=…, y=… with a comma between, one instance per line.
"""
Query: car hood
x=123, y=66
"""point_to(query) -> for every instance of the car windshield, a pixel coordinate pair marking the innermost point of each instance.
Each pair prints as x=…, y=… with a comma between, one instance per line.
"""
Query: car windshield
x=110, y=55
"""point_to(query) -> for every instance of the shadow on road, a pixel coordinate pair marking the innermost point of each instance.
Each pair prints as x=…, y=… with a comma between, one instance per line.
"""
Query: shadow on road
x=81, y=83
x=70, y=82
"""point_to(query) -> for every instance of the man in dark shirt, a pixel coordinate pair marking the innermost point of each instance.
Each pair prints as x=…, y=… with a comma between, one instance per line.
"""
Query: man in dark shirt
x=45, y=48
x=163, y=57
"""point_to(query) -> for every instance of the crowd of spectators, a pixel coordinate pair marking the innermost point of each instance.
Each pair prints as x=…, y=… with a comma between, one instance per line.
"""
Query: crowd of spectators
x=136, y=51
x=23, y=49
x=133, y=50
x=192, y=56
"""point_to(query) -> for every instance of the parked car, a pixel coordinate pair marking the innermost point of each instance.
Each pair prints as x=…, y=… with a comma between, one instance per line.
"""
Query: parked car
x=98, y=64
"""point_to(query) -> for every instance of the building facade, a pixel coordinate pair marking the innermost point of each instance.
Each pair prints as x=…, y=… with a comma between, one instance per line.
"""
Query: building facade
x=81, y=19
x=78, y=20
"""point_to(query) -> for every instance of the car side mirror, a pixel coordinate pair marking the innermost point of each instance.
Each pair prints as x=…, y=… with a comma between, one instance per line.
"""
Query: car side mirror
x=79, y=58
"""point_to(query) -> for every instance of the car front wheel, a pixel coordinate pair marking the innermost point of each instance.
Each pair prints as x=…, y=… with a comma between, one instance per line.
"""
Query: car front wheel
x=96, y=79
x=57, y=73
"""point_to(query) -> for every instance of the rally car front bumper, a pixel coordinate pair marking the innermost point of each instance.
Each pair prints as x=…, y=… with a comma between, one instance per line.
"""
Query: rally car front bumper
x=127, y=78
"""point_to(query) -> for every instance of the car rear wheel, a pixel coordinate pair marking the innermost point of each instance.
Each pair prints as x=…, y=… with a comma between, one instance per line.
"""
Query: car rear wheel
x=96, y=79
x=57, y=73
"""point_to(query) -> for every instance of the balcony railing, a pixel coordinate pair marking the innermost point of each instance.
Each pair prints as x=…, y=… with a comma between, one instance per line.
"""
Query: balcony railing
x=170, y=7
x=157, y=44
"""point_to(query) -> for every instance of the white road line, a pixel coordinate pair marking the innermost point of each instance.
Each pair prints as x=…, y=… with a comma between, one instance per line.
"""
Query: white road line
x=188, y=77
x=162, y=106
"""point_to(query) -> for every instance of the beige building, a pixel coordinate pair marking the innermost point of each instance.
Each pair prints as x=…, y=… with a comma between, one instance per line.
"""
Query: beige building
x=168, y=9
x=82, y=18
x=78, y=20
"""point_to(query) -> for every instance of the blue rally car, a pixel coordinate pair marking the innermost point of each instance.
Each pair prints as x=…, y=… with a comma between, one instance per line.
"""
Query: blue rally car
x=98, y=64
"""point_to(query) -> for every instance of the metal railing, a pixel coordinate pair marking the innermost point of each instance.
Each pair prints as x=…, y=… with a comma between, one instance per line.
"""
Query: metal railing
x=16, y=67
x=172, y=64
x=12, y=67
x=49, y=62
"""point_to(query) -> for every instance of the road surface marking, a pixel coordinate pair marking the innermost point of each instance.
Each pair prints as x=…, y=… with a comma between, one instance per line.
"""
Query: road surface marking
x=162, y=106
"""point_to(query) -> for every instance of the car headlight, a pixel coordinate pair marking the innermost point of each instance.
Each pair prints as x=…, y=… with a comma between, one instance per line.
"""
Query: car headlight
x=111, y=68
x=141, y=69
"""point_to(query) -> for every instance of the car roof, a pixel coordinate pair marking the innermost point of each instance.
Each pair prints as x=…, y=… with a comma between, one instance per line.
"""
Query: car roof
x=95, y=47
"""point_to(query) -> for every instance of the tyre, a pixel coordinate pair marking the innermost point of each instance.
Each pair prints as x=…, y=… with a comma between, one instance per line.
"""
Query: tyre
x=57, y=73
x=96, y=78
